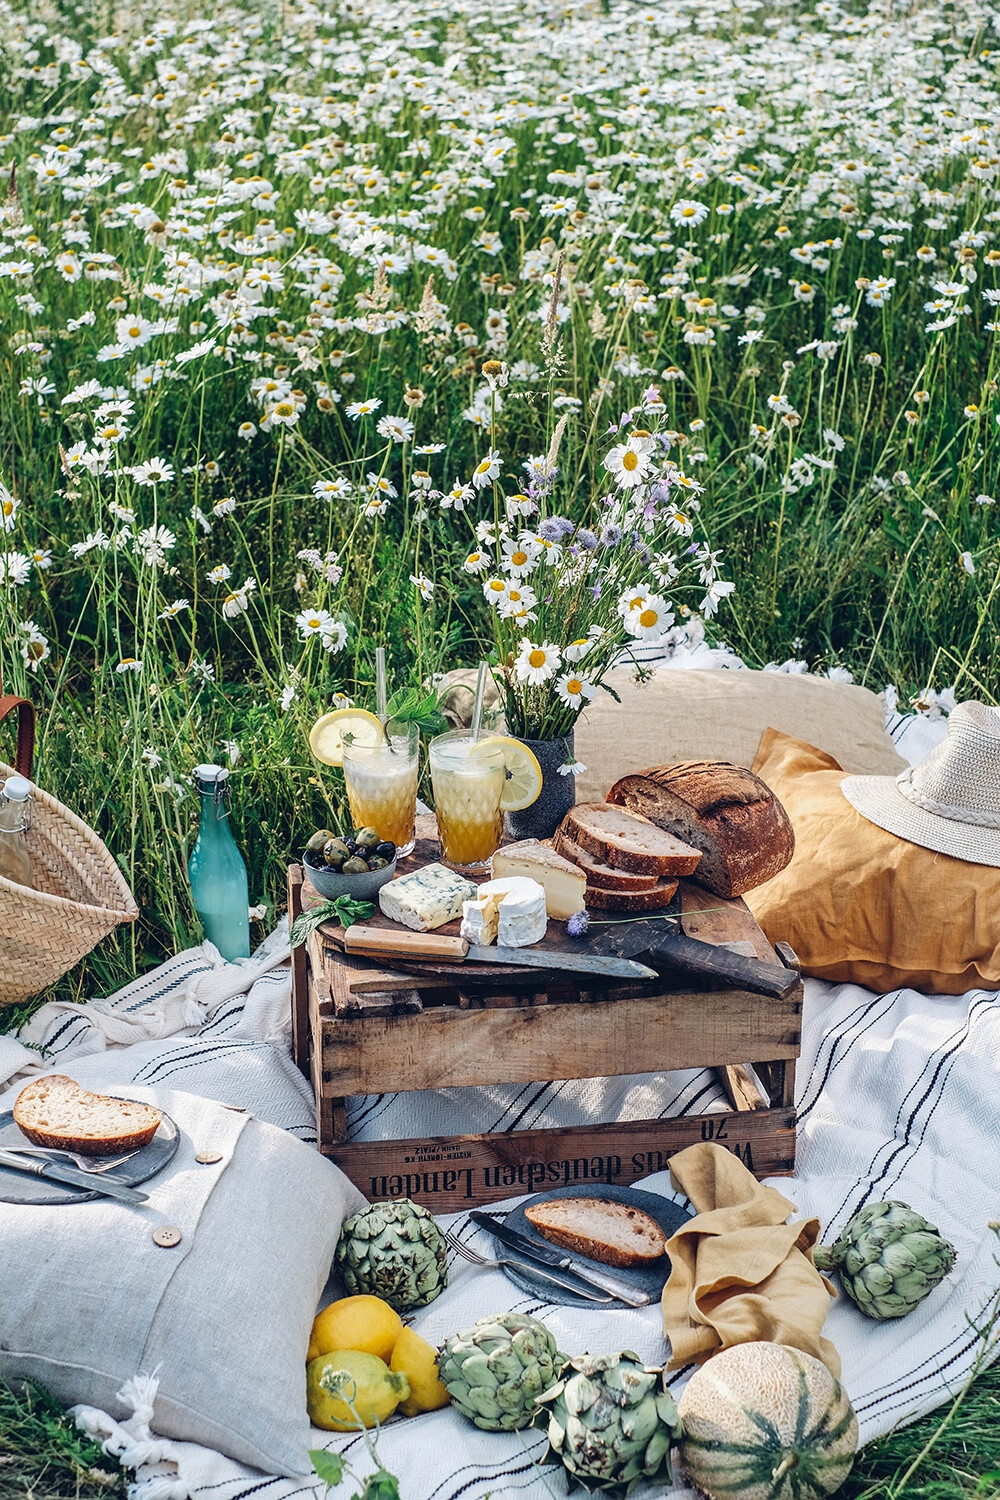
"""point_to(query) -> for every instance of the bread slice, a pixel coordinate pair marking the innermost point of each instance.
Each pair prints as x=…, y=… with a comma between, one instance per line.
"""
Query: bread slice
x=55, y=1111
x=625, y=842
x=730, y=814
x=615, y=1233
x=633, y=902
x=597, y=872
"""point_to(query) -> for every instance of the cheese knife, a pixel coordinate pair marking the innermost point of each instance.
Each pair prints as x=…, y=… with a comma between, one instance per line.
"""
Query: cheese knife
x=56, y=1172
x=384, y=942
x=552, y=1257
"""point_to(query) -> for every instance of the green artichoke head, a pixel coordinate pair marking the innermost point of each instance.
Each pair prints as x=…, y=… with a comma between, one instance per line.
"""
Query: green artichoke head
x=495, y=1371
x=394, y=1251
x=889, y=1259
x=611, y=1423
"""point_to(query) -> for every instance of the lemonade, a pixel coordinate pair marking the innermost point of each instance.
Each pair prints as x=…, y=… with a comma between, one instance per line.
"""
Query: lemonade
x=382, y=785
x=468, y=780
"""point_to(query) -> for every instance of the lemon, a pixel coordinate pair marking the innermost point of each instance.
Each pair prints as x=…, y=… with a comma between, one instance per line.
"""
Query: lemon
x=374, y=1390
x=328, y=734
x=417, y=1360
x=364, y=1323
x=524, y=774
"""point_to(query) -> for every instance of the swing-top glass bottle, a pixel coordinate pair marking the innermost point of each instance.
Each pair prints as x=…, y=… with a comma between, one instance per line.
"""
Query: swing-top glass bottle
x=218, y=875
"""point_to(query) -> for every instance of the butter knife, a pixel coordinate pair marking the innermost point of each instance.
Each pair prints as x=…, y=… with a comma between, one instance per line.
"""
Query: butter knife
x=56, y=1172
x=552, y=1257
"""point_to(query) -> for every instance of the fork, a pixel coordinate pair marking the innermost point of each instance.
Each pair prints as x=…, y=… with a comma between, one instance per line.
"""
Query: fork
x=84, y=1163
x=467, y=1252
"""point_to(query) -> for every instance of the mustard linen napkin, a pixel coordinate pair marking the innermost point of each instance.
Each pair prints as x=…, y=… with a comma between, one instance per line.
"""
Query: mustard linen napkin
x=739, y=1272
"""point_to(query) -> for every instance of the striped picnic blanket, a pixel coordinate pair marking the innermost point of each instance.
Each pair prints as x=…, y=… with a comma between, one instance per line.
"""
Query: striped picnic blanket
x=897, y=1098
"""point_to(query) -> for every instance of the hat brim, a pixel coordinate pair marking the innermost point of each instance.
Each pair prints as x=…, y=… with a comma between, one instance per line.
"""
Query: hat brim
x=879, y=799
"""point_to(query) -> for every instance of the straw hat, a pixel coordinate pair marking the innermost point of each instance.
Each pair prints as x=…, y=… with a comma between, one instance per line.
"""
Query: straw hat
x=951, y=801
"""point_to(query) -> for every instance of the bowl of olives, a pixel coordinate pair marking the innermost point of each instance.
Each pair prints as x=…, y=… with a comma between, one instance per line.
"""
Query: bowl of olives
x=358, y=865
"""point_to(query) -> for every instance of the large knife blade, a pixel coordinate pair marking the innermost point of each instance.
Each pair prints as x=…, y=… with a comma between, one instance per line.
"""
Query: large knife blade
x=552, y=1257
x=384, y=942
x=92, y=1182
x=662, y=941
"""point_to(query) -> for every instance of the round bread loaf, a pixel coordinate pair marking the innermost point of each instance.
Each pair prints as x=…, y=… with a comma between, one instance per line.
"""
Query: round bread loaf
x=724, y=810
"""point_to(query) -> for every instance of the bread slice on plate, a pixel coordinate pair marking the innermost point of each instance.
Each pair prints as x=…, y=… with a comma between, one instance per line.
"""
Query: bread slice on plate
x=57, y=1112
x=615, y=1233
x=629, y=843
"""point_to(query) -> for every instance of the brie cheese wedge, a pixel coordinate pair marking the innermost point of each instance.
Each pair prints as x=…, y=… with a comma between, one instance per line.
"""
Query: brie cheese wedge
x=511, y=912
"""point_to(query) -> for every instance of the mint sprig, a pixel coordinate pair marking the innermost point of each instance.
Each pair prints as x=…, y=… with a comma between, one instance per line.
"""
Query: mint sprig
x=344, y=908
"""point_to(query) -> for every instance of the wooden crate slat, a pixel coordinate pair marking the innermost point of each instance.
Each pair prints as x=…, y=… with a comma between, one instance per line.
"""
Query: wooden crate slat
x=450, y=1173
x=445, y=1047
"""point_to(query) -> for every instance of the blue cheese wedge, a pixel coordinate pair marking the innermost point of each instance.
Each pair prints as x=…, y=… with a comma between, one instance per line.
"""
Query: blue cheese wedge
x=426, y=898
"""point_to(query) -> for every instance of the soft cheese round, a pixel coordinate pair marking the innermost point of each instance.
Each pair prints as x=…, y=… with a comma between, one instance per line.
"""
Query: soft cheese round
x=520, y=907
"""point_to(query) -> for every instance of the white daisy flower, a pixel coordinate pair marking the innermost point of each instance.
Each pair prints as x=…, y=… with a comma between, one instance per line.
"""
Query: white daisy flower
x=573, y=690
x=535, y=664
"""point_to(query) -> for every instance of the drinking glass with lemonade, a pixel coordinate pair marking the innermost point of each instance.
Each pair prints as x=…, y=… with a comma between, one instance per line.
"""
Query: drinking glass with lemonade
x=380, y=768
x=475, y=782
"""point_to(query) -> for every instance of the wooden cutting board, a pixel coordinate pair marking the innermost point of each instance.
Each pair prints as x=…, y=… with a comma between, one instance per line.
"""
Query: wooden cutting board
x=702, y=915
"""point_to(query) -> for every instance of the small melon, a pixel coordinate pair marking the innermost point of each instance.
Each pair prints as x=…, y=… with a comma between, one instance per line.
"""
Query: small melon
x=766, y=1422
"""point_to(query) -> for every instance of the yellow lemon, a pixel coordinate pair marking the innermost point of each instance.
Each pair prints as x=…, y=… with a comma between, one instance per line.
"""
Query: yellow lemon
x=523, y=781
x=352, y=726
x=415, y=1358
x=364, y=1323
x=366, y=1382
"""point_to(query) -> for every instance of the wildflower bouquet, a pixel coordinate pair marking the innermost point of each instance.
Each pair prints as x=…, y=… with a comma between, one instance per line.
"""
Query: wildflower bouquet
x=572, y=598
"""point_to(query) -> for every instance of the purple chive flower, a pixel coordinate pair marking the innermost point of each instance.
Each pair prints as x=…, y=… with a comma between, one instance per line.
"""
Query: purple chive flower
x=578, y=924
x=611, y=536
x=554, y=528
x=587, y=539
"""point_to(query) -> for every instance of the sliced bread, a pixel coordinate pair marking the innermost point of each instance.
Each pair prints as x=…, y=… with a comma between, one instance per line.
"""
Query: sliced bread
x=55, y=1111
x=597, y=872
x=633, y=902
x=724, y=810
x=626, y=842
x=615, y=1233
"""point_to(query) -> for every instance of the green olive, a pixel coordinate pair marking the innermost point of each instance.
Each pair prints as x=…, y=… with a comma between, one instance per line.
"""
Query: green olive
x=354, y=866
x=377, y=862
x=319, y=840
x=367, y=838
x=335, y=851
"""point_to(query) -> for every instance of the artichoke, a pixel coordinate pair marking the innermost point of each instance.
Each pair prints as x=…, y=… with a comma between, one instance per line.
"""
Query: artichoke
x=889, y=1259
x=611, y=1423
x=394, y=1251
x=495, y=1370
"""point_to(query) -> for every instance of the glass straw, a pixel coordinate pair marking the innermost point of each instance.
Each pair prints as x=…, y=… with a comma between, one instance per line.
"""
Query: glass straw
x=381, y=700
x=477, y=707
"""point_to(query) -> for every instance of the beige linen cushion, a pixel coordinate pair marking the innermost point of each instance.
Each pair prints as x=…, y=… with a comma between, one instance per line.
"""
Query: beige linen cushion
x=721, y=715
x=89, y=1300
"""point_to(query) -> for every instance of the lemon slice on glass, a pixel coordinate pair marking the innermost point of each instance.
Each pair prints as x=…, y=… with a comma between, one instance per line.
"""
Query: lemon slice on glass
x=524, y=775
x=330, y=733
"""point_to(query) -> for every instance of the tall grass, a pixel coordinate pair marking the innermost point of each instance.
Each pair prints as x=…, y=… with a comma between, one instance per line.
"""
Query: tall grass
x=849, y=483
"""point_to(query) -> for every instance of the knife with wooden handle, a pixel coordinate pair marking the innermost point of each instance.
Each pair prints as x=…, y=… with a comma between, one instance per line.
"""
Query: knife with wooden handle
x=399, y=943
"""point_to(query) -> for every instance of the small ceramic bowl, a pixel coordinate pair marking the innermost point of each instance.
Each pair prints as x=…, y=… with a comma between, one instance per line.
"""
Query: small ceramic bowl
x=364, y=886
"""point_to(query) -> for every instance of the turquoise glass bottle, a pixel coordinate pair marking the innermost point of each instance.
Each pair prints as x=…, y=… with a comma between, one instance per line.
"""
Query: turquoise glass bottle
x=219, y=886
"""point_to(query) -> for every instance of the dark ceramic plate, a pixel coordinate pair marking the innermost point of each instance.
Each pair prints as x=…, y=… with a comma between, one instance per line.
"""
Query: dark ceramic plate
x=19, y=1187
x=648, y=1279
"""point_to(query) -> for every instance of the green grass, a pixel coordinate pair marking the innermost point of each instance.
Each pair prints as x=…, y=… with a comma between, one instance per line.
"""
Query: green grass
x=45, y=1456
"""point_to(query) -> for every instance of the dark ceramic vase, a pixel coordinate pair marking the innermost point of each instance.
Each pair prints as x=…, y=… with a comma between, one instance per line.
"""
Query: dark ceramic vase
x=542, y=818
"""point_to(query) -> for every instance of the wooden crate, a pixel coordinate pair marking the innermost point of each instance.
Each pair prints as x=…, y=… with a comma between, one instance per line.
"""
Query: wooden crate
x=361, y=1028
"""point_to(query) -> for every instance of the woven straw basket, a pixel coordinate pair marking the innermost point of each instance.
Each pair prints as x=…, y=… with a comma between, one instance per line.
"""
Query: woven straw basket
x=84, y=896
